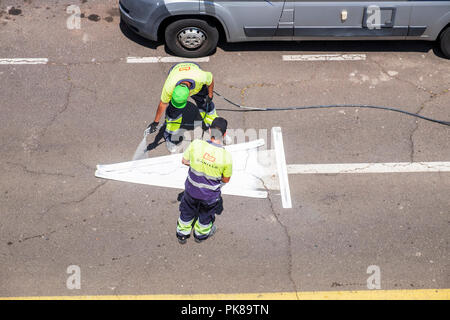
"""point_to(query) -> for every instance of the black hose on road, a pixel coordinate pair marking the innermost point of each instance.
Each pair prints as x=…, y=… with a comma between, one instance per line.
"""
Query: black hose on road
x=249, y=109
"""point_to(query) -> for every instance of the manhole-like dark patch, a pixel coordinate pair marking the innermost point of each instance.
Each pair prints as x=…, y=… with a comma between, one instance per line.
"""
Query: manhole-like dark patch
x=15, y=12
x=94, y=17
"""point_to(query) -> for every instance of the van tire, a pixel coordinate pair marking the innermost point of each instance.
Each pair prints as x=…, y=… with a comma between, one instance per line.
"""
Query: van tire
x=200, y=38
x=445, y=42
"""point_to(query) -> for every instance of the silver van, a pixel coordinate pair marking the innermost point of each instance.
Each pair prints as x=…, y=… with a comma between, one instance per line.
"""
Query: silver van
x=192, y=28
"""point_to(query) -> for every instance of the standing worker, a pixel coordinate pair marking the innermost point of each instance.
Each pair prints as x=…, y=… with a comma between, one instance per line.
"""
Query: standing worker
x=210, y=167
x=201, y=87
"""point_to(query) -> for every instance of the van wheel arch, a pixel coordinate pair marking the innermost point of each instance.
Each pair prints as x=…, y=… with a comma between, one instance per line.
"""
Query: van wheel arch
x=223, y=36
x=444, y=41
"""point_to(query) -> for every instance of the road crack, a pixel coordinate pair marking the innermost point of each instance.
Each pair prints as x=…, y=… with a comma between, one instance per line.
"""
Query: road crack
x=288, y=238
x=432, y=97
x=64, y=107
x=86, y=196
x=46, y=234
x=39, y=172
x=432, y=94
x=396, y=77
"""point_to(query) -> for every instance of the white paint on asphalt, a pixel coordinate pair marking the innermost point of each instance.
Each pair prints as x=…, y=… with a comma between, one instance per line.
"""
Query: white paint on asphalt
x=325, y=57
x=391, y=167
x=24, y=61
x=277, y=143
x=169, y=172
x=164, y=59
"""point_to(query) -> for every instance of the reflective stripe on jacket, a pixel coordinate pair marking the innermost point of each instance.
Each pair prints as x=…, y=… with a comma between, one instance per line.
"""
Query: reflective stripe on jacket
x=209, y=162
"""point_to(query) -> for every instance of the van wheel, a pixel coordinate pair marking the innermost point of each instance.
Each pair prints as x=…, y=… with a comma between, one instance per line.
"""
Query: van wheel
x=191, y=38
x=445, y=42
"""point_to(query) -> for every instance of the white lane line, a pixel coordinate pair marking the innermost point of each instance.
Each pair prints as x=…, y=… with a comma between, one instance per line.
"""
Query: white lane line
x=277, y=142
x=164, y=59
x=325, y=57
x=24, y=61
x=391, y=167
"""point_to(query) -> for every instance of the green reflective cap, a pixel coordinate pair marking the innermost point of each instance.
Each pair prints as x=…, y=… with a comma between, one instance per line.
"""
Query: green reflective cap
x=179, y=96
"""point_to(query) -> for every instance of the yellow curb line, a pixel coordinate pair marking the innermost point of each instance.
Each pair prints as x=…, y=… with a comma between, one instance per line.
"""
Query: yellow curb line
x=419, y=294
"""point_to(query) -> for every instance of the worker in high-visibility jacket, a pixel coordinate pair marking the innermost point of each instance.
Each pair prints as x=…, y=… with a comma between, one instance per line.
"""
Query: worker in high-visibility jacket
x=201, y=88
x=210, y=167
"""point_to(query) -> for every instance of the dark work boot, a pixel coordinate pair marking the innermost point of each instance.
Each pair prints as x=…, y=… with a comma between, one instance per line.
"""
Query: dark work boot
x=182, y=239
x=211, y=233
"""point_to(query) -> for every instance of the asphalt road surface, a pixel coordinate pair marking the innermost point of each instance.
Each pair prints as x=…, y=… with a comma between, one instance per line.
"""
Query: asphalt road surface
x=86, y=105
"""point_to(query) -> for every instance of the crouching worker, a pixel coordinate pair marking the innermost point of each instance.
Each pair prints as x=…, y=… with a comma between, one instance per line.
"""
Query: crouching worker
x=210, y=167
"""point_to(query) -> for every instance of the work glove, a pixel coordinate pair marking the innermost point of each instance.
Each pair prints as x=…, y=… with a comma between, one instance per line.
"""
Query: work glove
x=208, y=100
x=152, y=127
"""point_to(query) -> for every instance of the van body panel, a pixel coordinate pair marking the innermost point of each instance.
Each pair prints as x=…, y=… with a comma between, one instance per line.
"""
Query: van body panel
x=433, y=16
x=257, y=20
x=147, y=15
x=324, y=19
x=246, y=19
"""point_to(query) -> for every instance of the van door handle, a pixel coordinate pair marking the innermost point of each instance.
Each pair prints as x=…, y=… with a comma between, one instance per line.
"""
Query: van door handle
x=344, y=15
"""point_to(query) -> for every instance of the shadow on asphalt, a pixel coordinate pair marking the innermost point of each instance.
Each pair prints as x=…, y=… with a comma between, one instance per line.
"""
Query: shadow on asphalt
x=131, y=35
x=335, y=46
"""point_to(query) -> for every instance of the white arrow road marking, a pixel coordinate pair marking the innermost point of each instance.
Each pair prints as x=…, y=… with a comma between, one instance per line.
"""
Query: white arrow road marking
x=390, y=167
x=24, y=61
x=168, y=171
x=164, y=59
x=254, y=171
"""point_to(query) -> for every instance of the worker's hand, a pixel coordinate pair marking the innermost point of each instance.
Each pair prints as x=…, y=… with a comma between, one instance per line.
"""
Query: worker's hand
x=152, y=127
x=208, y=100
